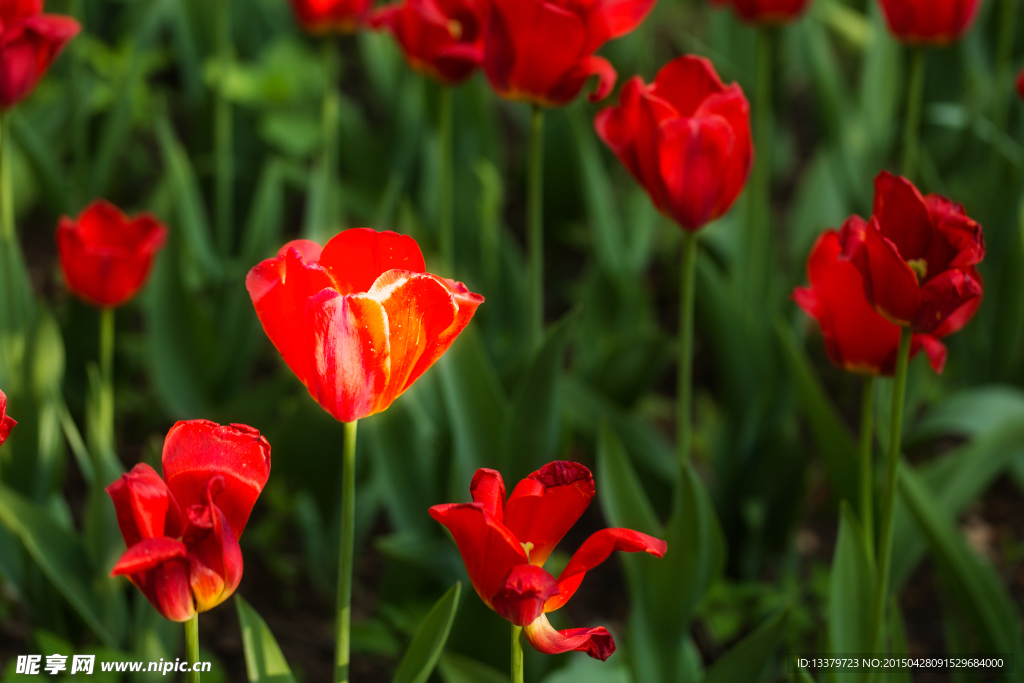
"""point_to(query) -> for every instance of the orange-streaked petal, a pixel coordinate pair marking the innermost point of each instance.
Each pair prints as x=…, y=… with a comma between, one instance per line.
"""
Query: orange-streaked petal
x=159, y=568
x=596, y=642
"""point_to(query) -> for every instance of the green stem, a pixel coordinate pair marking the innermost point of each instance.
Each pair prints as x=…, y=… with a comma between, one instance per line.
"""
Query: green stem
x=867, y=429
x=107, y=387
x=6, y=195
x=223, y=133
x=758, y=222
x=192, y=648
x=899, y=390
x=912, y=124
x=345, y=554
x=517, y=654
x=1004, y=64
x=535, y=227
x=446, y=202
x=687, y=287
x=16, y=298
x=323, y=212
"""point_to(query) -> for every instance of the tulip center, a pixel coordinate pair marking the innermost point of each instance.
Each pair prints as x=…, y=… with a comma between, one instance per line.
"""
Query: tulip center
x=919, y=266
x=527, y=547
x=455, y=29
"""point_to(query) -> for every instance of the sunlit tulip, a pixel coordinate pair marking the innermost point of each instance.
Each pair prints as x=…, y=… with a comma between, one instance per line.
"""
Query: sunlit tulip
x=504, y=544
x=358, y=320
x=29, y=43
x=182, y=531
x=107, y=256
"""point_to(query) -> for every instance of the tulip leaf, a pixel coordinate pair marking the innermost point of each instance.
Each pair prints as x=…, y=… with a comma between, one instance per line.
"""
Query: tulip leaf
x=428, y=643
x=988, y=604
x=458, y=669
x=264, y=661
x=851, y=587
x=972, y=413
x=748, y=660
x=623, y=500
x=60, y=555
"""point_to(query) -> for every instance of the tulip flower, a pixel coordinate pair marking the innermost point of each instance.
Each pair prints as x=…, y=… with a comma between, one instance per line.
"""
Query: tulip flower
x=542, y=52
x=442, y=38
x=30, y=41
x=505, y=543
x=857, y=338
x=685, y=138
x=182, y=530
x=331, y=16
x=1020, y=84
x=766, y=11
x=358, y=320
x=929, y=22
x=7, y=423
x=918, y=257
x=107, y=256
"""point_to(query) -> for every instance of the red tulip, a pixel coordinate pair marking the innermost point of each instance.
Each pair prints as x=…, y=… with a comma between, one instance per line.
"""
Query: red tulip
x=1020, y=84
x=504, y=545
x=929, y=22
x=857, y=338
x=106, y=256
x=443, y=38
x=542, y=51
x=766, y=11
x=331, y=16
x=182, y=531
x=6, y=421
x=29, y=43
x=358, y=320
x=685, y=138
x=917, y=256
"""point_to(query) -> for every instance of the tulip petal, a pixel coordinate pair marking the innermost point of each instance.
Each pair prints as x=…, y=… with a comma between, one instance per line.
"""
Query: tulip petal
x=356, y=258
x=962, y=235
x=489, y=550
x=687, y=82
x=214, y=555
x=488, y=489
x=694, y=157
x=609, y=19
x=27, y=49
x=933, y=348
x=196, y=451
x=961, y=316
x=279, y=288
x=732, y=106
x=14, y=10
x=903, y=216
x=596, y=642
x=522, y=596
x=545, y=505
x=144, y=505
x=890, y=284
x=159, y=568
x=944, y=295
x=6, y=422
x=350, y=352
x=596, y=550
x=617, y=126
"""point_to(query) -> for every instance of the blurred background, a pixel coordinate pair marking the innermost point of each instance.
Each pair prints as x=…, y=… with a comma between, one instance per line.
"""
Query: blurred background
x=128, y=113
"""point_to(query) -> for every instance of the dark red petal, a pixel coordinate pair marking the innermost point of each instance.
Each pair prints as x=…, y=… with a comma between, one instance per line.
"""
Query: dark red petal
x=545, y=505
x=961, y=233
x=349, y=351
x=596, y=642
x=961, y=316
x=279, y=289
x=694, y=159
x=927, y=22
x=889, y=283
x=933, y=348
x=27, y=49
x=943, y=296
x=144, y=505
x=488, y=489
x=159, y=568
x=489, y=550
x=596, y=550
x=617, y=127
x=903, y=216
x=732, y=106
x=356, y=258
x=521, y=598
x=606, y=76
x=196, y=451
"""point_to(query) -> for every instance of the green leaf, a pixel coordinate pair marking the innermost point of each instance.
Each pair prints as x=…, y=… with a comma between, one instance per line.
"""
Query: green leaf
x=623, y=500
x=458, y=669
x=830, y=436
x=748, y=660
x=898, y=641
x=851, y=587
x=800, y=675
x=971, y=413
x=427, y=645
x=264, y=661
x=988, y=604
x=584, y=668
x=60, y=555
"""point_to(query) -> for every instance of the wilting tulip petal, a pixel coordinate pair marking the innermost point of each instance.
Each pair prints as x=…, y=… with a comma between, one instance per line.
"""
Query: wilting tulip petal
x=596, y=550
x=159, y=567
x=29, y=43
x=596, y=642
x=144, y=505
x=107, y=256
x=545, y=505
x=930, y=22
x=7, y=423
x=522, y=597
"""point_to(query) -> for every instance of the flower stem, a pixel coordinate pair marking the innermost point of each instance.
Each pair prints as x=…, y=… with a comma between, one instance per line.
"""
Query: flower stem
x=885, y=538
x=345, y=553
x=322, y=213
x=223, y=133
x=535, y=227
x=16, y=298
x=446, y=184
x=912, y=124
x=517, y=654
x=687, y=287
x=867, y=429
x=758, y=222
x=192, y=648
x=106, y=407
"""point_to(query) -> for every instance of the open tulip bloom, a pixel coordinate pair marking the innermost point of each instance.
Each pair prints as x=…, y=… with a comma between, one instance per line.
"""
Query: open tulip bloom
x=504, y=544
x=29, y=43
x=766, y=11
x=7, y=423
x=182, y=531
